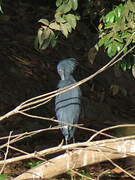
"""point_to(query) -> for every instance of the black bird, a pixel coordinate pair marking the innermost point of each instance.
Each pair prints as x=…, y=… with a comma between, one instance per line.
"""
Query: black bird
x=67, y=104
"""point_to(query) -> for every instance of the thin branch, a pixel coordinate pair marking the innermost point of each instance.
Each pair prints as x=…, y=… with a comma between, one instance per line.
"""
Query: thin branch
x=109, y=128
x=52, y=94
x=6, y=154
x=91, y=145
x=73, y=125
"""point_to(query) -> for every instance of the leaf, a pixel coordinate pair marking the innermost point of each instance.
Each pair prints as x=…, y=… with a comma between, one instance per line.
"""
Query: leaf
x=45, y=44
x=129, y=65
x=118, y=38
x=53, y=42
x=109, y=18
x=101, y=42
x=58, y=3
x=133, y=70
x=71, y=20
x=65, y=7
x=107, y=39
x=45, y=34
x=44, y=21
x=3, y=176
x=55, y=26
x=74, y=4
x=64, y=30
x=96, y=47
x=58, y=18
x=111, y=51
x=133, y=39
x=126, y=35
x=131, y=5
x=40, y=40
x=123, y=66
x=69, y=28
x=36, y=43
x=1, y=10
x=77, y=17
x=118, y=10
x=118, y=45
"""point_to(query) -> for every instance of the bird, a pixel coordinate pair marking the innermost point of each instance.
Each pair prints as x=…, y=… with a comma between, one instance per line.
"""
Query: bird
x=67, y=104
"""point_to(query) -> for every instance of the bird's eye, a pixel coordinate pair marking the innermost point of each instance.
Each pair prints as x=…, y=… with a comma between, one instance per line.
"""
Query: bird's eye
x=59, y=70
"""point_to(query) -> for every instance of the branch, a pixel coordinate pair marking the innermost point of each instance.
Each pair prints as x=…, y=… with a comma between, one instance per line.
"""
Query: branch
x=42, y=99
x=90, y=153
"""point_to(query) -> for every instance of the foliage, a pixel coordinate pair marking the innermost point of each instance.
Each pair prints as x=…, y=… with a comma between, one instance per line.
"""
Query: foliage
x=3, y=176
x=33, y=164
x=119, y=26
x=64, y=22
x=118, y=30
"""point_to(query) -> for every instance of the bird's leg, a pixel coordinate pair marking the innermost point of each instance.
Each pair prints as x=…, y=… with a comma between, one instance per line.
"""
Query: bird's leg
x=66, y=141
x=73, y=139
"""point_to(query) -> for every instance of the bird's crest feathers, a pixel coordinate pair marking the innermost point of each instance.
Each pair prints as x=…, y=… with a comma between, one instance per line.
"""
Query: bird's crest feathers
x=67, y=65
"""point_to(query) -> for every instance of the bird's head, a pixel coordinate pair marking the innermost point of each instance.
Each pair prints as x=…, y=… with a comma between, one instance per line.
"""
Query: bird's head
x=66, y=67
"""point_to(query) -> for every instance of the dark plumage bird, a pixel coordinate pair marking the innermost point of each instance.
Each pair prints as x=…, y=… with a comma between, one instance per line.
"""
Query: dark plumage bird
x=67, y=104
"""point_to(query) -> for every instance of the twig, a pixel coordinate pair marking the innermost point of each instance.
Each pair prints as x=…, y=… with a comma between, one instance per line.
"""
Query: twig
x=6, y=154
x=74, y=125
x=81, y=175
x=45, y=97
x=60, y=147
x=31, y=133
x=116, y=165
x=109, y=128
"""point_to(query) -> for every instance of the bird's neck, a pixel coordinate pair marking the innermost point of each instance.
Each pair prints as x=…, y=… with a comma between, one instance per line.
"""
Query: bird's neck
x=69, y=77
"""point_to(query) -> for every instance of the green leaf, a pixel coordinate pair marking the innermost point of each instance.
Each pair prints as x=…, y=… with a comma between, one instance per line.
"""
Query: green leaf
x=118, y=45
x=109, y=18
x=126, y=35
x=40, y=39
x=77, y=17
x=65, y=7
x=108, y=38
x=53, y=42
x=97, y=47
x=33, y=164
x=118, y=10
x=55, y=26
x=101, y=42
x=44, y=21
x=133, y=38
x=118, y=38
x=123, y=66
x=58, y=18
x=74, y=4
x=71, y=20
x=69, y=28
x=129, y=66
x=3, y=176
x=64, y=30
x=36, y=43
x=45, y=34
x=111, y=51
x=58, y=3
x=47, y=41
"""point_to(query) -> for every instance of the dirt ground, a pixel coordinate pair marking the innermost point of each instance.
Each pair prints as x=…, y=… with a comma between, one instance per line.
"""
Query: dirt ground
x=25, y=73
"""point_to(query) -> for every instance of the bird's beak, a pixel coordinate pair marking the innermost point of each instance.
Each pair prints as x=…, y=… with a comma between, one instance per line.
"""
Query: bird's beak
x=61, y=73
x=62, y=76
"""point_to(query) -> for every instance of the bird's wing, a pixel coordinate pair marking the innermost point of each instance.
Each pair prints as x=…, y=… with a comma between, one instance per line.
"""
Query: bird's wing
x=67, y=106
